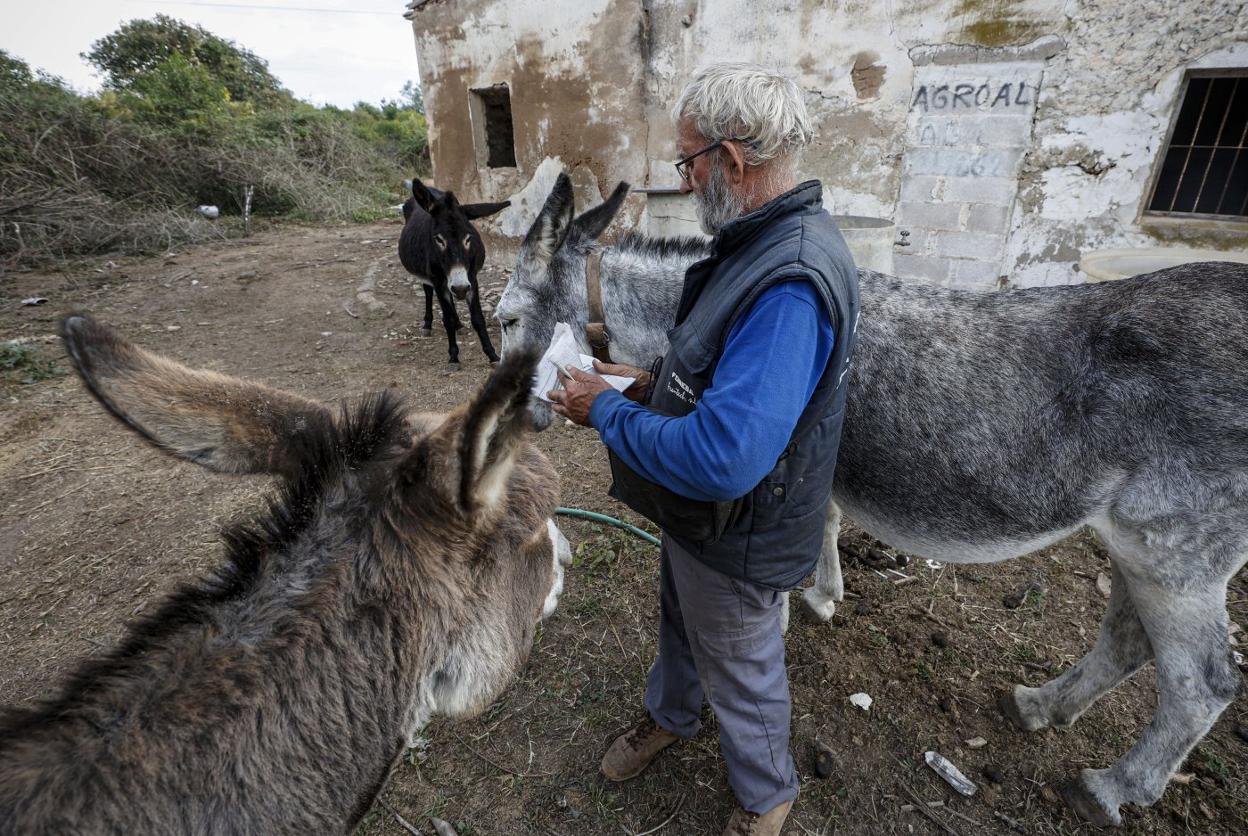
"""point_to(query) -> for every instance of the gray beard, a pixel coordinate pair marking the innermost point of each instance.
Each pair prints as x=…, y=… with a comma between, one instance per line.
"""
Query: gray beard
x=717, y=204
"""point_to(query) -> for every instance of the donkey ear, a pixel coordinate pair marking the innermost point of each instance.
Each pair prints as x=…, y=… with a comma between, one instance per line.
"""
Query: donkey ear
x=483, y=210
x=595, y=222
x=225, y=424
x=424, y=198
x=493, y=428
x=550, y=229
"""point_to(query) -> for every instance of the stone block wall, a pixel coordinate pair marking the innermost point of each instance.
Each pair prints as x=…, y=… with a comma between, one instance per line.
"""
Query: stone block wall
x=967, y=130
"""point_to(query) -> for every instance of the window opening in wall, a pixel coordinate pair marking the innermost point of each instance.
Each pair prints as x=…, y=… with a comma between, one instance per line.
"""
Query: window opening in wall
x=1205, y=169
x=493, y=105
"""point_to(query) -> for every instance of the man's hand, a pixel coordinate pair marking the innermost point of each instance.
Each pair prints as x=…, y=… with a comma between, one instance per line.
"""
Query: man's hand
x=577, y=395
x=637, y=390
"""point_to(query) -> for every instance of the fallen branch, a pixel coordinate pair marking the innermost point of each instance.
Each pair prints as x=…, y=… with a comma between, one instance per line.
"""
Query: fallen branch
x=496, y=765
x=404, y=823
x=1014, y=824
x=679, y=803
x=922, y=808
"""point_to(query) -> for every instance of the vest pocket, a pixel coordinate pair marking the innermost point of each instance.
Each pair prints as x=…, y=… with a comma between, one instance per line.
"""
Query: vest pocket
x=696, y=521
x=769, y=501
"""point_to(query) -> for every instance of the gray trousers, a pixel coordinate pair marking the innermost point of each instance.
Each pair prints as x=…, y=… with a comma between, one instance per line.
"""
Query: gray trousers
x=719, y=638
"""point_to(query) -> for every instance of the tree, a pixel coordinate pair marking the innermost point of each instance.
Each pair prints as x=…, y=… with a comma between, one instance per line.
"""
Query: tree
x=180, y=95
x=412, y=97
x=136, y=50
x=14, y=72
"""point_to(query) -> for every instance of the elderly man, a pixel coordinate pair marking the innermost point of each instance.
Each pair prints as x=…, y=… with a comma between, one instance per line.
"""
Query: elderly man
x=733, y=451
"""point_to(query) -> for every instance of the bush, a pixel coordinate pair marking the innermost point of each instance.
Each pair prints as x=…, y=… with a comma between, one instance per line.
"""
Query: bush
x=23, y=364
x=186, y=118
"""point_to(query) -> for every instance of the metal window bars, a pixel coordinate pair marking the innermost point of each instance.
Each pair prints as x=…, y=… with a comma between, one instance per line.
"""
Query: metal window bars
x=1205, y=169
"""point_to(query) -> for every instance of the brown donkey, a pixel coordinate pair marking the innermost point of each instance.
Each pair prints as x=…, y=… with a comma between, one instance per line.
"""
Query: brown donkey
x=399, y=573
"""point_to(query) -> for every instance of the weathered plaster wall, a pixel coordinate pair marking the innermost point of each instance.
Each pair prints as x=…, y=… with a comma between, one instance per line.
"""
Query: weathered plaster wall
x=592, y=84
x=853, y=60
x=575, y=80
x=1105, y=108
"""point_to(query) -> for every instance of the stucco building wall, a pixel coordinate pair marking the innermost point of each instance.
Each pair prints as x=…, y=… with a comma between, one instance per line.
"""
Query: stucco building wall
x=1006, y=137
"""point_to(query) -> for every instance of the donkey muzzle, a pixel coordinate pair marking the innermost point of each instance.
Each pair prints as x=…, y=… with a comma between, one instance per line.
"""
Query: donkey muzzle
x=458, y=281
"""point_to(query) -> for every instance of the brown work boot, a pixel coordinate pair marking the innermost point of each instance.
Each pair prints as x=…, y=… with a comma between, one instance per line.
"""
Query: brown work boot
x=632, y=751
x=745, y=823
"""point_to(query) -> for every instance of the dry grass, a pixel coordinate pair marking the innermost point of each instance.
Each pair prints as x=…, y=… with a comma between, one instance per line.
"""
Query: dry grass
x=77, y=179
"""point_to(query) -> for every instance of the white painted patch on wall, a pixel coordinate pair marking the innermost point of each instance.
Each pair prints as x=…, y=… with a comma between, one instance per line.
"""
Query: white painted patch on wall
x=1123, y=144
x=516, y=219
x=841, y=201
x=490, y=30
x=1045, y=274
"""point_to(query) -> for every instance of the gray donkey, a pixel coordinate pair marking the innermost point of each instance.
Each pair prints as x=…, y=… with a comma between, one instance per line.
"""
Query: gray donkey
x=399, y=573
x=985, y=425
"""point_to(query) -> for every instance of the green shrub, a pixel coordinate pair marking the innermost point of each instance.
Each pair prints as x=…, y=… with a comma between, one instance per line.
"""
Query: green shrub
x=23, y=364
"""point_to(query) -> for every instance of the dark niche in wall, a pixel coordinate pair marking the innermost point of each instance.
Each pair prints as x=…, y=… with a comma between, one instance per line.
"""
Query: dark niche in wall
x=495, y=134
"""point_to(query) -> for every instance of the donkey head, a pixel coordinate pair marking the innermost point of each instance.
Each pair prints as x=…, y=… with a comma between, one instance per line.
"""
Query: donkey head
x=438, y=525
x=454, y=245
x=548, y=284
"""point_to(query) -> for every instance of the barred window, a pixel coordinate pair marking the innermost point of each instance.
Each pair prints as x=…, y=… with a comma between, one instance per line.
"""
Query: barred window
x=1205, y=169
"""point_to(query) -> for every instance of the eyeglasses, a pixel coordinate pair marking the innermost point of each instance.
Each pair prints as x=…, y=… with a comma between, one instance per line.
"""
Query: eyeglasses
x=685, y=167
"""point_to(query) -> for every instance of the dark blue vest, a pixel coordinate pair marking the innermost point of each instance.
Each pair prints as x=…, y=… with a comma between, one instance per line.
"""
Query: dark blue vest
x=772, y=535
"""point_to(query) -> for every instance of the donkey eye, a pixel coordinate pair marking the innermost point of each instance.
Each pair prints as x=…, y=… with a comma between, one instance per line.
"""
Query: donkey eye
x=440, y=241
x=508, y=322
x=467, y=242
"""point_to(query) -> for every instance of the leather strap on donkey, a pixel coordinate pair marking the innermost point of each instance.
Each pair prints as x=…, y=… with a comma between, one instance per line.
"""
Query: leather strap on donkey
x=596, y=329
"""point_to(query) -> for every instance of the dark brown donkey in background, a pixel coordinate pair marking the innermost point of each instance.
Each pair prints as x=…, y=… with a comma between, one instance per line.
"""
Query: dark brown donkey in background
x=399, y=573
x=443, y=250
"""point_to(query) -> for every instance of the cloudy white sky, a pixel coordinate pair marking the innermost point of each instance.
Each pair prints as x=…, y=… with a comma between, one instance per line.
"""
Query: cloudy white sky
x=325, y=51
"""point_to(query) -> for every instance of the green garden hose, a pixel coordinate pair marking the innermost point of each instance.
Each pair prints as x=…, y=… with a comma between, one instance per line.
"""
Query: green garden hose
x=594, y=516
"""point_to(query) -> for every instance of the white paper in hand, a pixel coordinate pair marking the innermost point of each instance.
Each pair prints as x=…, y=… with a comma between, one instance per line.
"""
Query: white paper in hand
x=565, y=353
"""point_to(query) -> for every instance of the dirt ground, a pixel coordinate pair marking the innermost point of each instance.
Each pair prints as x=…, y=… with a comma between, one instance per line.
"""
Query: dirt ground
x=95, y=527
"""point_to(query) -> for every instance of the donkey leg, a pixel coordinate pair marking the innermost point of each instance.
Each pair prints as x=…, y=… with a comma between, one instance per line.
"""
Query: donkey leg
x=1196, y=681
x=829, y=587
x=427, y=329
x=1121, y=649
x=451, y=323
x=479, y=325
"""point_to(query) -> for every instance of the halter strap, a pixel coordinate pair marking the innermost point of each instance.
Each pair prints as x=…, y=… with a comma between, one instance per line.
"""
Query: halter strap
x=596, y=329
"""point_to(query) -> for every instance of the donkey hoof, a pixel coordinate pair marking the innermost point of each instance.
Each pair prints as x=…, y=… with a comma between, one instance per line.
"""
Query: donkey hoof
x=452, y=366
x=493, y=361
x=1010, y=705
x=1080, y=798
x=819, y=605
x=426, y=332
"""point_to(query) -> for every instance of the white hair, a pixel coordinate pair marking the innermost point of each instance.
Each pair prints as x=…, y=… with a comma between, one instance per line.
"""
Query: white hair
x=759, y=107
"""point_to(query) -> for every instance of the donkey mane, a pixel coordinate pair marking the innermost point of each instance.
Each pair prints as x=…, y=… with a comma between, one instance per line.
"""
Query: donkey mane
x=327, y=452
x=677, y=246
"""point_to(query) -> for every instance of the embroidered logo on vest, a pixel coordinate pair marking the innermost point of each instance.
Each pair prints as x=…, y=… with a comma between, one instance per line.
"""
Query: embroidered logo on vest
x=682, y=390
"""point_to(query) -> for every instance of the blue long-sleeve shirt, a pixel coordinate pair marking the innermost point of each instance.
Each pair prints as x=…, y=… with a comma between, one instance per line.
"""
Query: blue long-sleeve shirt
x=772, y=362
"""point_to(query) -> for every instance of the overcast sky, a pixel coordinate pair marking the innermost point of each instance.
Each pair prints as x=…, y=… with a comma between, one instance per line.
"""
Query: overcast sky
x=361, y=50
